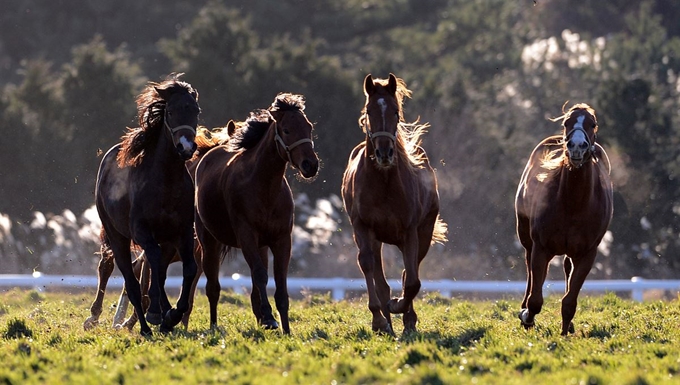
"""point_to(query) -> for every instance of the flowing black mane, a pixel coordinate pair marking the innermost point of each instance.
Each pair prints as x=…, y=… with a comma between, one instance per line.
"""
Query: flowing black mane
x=249, y=134
x=150, y=113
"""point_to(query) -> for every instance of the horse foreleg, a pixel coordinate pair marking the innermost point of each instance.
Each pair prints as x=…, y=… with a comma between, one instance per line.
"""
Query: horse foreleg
x=382, y=288
x=209, y=256
x=539, y=270
x=186, y=252
x=282, y=254
x=579, y=272
x=192, y=293
x=121, y=251
x=365, y=240
x=104, y=271
x=410, y=280
x=257, y=259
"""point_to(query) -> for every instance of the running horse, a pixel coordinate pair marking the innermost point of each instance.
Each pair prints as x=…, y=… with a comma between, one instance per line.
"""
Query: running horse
x=244, y=201
x=390, y=194
x=144, y=197
x=563, y=207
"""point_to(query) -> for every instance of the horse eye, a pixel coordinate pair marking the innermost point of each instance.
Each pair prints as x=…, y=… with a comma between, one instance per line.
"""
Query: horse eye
x=285, y=131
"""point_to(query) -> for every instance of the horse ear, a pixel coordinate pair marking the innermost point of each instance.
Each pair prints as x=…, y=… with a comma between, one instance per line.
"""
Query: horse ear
x=231, y=128
x=163, y=92
x=369, y=87
x=392, y=84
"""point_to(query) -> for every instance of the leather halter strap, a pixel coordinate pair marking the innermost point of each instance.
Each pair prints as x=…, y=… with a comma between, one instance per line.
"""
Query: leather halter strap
x=279, y=141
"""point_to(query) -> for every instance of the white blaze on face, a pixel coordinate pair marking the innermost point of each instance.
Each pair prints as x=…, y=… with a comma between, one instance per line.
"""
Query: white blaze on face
x=578, y=138
x=186, y=145
x=383, y=108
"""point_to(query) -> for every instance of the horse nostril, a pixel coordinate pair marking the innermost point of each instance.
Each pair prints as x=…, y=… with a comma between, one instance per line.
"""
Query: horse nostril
x=390, y=153
x=583, y=145
x=377, y=153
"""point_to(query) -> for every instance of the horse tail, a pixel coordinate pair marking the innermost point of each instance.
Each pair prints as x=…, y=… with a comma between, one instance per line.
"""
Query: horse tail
x=105, y=248
x=440, y=230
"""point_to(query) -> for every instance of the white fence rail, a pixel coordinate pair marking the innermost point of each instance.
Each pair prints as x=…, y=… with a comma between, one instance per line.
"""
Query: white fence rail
x=339, y=286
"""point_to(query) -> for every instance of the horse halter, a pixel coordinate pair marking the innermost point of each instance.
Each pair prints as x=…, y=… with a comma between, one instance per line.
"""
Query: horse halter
x=279, y=141
x=578, y=126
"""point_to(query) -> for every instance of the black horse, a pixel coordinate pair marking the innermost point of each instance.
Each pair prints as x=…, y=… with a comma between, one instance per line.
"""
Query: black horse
x=144, y=195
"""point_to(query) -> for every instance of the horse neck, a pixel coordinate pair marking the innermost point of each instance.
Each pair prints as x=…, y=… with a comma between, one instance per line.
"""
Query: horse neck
x=267, y=163
x=577, y=184
x=163, y=157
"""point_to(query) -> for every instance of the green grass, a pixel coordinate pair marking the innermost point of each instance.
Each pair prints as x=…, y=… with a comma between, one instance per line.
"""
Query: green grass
x=616, y=342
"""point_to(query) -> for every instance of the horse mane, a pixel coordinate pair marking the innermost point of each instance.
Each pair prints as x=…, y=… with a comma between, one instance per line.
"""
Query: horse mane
x=408, y=134
x=249, y=133
x=207, y=139
x=285, y=101
x=150, y=115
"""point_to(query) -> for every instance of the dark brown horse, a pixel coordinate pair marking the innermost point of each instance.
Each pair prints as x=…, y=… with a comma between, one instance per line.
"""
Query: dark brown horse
x=563, y=206
x=144, y=195
x=390, y=194
x=243, y=200
x=205, y=140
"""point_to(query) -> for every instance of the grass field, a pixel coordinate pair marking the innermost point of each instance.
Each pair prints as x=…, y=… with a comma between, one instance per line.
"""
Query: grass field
x=616, y=342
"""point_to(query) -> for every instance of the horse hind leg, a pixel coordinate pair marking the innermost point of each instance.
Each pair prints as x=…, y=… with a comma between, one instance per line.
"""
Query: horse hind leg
x=579, y=272
x=104, y=271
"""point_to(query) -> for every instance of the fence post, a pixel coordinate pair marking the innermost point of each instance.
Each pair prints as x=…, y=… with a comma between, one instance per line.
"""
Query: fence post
x=637, y=293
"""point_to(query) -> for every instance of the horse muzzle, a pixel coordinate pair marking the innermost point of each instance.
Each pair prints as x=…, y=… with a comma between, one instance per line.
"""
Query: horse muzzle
x=186, y=150
x=309, y=168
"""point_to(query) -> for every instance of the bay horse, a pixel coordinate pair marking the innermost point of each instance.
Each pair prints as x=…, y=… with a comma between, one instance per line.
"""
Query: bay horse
x=563, y=207
x=144, y=196
x=243, y=200
x=390, y=194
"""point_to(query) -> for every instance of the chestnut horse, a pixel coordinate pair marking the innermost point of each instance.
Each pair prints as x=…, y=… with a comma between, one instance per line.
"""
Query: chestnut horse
x=563, y=207
x=144, y=195
x=390, y=194
x=243, y=200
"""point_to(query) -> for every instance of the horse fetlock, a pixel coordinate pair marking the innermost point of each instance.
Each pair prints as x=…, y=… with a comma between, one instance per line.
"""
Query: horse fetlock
x=568, y=329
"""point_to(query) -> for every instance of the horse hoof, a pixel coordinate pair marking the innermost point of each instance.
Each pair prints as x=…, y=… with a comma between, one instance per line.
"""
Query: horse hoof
x=154, y=318
x=90, y=323
x=270, y=325
x=569, y=330
x=524, y=318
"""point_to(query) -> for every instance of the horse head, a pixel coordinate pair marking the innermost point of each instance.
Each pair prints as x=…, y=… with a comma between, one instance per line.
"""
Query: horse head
x=293, y=134
x=382, y=116
x=580, y=133
x=181, y=117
